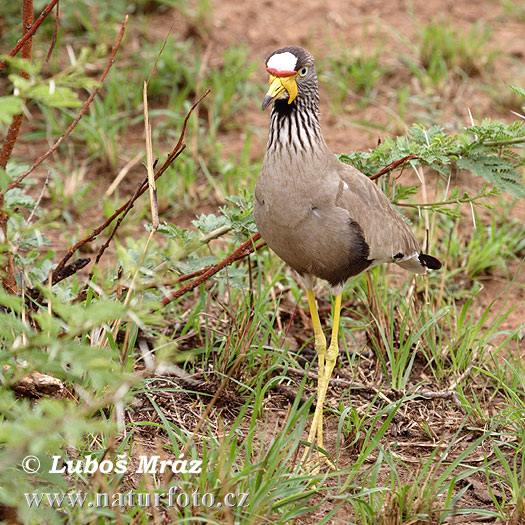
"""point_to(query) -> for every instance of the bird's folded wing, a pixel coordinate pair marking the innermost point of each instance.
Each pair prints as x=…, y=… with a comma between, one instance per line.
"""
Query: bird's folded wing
x=386, y=232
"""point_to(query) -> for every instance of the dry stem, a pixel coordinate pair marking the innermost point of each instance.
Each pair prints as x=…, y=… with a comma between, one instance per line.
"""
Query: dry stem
x=30, y=32
x=8, y=277
x=393, y=166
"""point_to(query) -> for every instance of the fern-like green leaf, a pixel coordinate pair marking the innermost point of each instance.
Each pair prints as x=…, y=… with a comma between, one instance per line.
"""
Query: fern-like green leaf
x=495, y=170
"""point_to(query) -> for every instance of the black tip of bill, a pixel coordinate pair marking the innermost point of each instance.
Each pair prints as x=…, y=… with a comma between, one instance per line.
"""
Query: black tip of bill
x=266, y=102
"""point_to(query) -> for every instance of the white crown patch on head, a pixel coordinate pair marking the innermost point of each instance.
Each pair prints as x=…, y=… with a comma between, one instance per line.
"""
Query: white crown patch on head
x=282, y=61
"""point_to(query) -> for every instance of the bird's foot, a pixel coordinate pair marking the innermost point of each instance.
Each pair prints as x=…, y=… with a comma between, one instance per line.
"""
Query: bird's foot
x=315, y=457
x=314, y=460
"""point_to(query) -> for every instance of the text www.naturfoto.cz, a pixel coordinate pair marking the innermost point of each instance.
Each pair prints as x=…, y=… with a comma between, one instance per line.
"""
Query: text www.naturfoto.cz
x=173, y=498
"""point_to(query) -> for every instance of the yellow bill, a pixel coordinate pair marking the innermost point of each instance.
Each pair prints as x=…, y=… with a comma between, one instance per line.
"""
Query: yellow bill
x=278, y=85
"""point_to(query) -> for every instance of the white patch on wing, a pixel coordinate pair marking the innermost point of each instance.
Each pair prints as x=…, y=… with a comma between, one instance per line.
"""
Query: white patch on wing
x=282, y=61
x=345, y=186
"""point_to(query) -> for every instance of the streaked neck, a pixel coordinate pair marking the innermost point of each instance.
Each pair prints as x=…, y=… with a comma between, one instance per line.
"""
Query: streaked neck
x=295, y=128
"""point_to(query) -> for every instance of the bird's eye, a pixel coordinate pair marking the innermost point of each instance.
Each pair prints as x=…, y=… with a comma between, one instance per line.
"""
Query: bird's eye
x=303, y=71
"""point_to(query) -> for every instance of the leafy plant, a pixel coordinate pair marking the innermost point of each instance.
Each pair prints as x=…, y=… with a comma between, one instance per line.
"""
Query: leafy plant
x=445, y=48
x=349, y=71
x=484, y=149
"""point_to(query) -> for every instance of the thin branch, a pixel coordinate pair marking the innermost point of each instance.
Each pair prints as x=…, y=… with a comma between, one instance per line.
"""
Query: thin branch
x=243, y=250
x=80, y=114
x=177, y=150
x=30, y=32
x=8, y=278
x=55, y=35
x=392, y=166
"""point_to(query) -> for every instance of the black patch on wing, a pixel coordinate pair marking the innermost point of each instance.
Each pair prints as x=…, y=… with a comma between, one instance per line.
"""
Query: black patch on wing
x=429, y=262
x=399, y=255
x=359, y=252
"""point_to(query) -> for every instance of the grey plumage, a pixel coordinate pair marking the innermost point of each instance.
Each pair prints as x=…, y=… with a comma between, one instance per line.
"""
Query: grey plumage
x=322, y=217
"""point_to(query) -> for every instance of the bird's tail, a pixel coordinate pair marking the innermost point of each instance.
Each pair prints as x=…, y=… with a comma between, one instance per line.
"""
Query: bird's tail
x=420, y=263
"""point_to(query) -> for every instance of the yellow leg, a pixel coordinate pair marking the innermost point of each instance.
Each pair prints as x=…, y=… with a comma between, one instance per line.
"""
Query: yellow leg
x=320, y=348
x=320, y=339
x=333, y=350
x=329, y=359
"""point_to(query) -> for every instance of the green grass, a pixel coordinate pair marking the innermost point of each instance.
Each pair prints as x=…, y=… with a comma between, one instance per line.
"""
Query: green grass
x=445, y=52
x=352, y=72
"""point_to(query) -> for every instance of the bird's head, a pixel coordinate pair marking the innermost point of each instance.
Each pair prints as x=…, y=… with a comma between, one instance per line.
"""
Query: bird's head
x=291, y=70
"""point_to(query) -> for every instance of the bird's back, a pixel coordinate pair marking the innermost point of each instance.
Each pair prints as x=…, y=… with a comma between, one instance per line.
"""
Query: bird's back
x=332, y=222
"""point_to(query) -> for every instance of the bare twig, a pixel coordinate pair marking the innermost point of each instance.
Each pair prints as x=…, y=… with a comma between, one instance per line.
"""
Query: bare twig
x=128, y=205
x=393, y=166
x=244, y=249
x=30, y=32
x=55, y=35
x=8, y=278
x=80, y=114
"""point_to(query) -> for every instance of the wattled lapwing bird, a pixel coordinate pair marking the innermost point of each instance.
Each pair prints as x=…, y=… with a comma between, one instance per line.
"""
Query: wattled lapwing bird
x=322, y=217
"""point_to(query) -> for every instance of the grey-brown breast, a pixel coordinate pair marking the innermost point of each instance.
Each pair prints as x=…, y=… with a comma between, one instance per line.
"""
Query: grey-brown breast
x=334, y=226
